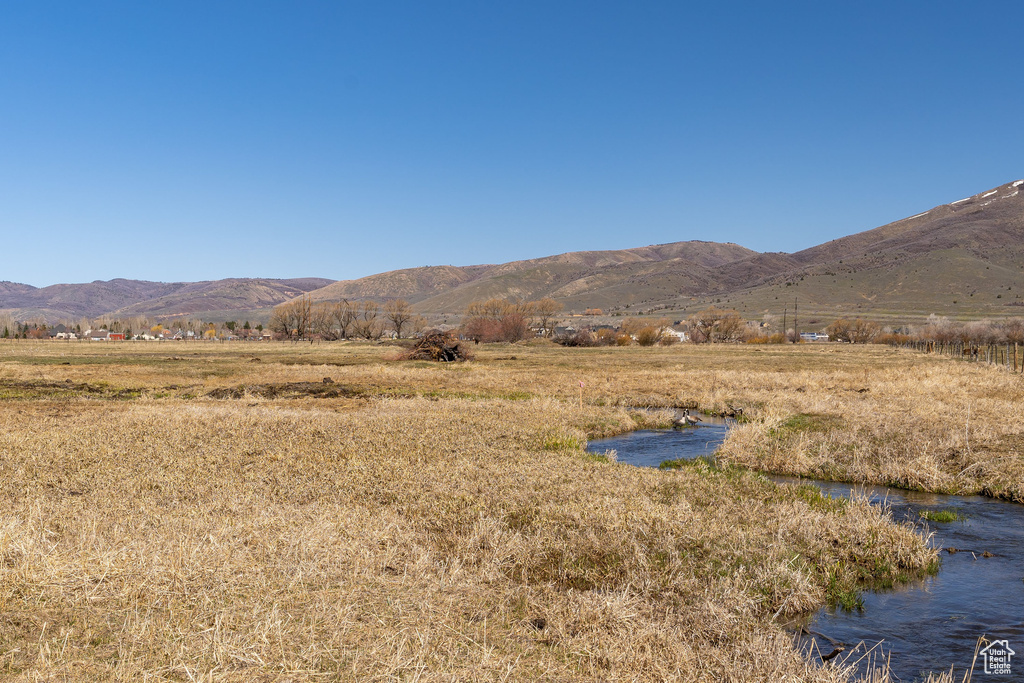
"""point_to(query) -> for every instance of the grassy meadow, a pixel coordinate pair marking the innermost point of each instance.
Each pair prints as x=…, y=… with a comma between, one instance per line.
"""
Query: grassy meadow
x=296, y=512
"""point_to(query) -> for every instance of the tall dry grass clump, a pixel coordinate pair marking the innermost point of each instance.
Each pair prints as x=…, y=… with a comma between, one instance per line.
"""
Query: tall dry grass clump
x=953, y=428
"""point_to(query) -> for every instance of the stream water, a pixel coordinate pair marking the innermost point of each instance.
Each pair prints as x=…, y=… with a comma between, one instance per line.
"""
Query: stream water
x=927, y=625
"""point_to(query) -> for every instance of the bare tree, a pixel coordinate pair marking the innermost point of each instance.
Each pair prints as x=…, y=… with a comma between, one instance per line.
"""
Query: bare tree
x=292, y=319
x=939, y=329
x=368, y=324
x=544, y=311
x=839, y=330
x=399, y=313
x=345, y=313
x=863, y=331
x=498, y=320
x=644, y=331
x=981, y=332
x=281, y=322
x=715, y=325
x=1013, y=330
x=304, y=316
x=321, y=321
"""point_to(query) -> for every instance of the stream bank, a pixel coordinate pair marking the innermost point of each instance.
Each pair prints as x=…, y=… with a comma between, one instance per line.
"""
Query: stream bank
x=925, y=625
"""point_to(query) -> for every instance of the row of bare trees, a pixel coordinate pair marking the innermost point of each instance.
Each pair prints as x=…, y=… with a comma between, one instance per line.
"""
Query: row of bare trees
x=978, y=332
x=509, y=320
x=936, y=329
x=303, y=319
x=640, y=331
x=710, y=326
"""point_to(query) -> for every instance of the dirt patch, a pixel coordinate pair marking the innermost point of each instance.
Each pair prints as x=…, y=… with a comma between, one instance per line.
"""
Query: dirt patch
x=45, y=389
x=288, y=390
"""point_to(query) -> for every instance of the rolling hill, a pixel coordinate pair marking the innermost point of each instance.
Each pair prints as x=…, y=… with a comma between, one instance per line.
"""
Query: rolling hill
x=582, y=278
x=964, y=259
x=69, y=302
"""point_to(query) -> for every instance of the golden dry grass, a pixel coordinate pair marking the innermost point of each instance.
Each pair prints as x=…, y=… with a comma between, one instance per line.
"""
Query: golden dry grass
x=428, y=523
x=883, y=415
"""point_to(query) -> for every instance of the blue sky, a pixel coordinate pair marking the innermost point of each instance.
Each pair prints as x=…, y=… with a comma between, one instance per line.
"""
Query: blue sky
x=195, y=140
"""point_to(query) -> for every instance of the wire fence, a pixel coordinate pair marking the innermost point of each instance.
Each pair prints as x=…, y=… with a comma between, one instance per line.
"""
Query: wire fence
x=1007, y=355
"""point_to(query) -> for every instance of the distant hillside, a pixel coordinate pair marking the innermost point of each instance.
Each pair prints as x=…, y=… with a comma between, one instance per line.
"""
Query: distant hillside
x=579, y=279
x=963, y=259
x=139, y=297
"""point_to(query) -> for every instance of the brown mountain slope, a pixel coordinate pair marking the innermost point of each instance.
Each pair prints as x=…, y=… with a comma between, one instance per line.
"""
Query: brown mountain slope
x=11, y=290
x=964, y=259
x=986, y=222
x=88, y=299
x=233, y=294
x=139, y=297
x=412, y=284
x=448, y=289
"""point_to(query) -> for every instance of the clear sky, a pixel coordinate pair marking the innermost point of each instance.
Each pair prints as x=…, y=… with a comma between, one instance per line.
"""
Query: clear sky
x=199, y=140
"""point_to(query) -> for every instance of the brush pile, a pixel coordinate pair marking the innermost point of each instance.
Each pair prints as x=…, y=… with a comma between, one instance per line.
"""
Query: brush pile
x=443, y=347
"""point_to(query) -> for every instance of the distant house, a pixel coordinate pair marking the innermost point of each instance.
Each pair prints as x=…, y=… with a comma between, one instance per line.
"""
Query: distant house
x=62, y=331
x=814, y=336
x=96, y=335
x=115, y=336
x=678, y=334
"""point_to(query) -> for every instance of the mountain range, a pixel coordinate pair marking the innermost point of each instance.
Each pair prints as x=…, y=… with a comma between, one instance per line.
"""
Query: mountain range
x=962, y=259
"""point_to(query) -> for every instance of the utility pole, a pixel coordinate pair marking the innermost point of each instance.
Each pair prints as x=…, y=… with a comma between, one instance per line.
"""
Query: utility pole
x=785, y=312
x=796, y=328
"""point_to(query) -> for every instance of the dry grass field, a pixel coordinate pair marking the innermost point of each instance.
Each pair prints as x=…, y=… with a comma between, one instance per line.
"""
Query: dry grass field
x=219, y=512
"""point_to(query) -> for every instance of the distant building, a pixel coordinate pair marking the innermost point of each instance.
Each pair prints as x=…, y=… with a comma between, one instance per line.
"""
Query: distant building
x=62, y=331
x=678, y=334
x=813, y=336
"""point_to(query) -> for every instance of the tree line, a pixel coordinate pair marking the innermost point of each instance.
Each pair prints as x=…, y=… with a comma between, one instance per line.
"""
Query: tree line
x=303, y=319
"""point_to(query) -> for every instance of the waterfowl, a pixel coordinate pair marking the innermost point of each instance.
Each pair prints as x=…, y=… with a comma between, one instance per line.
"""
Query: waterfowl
x=686, y=420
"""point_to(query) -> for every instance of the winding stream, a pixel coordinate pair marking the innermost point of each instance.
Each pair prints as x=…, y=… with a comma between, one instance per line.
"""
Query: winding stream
x=926, y=625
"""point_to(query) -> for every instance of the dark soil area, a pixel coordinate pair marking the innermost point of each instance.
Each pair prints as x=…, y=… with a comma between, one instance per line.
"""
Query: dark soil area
x=323, y=389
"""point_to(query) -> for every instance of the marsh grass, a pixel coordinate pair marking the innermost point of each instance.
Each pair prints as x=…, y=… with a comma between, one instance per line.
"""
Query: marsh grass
x=434, y=523
x=944, y=516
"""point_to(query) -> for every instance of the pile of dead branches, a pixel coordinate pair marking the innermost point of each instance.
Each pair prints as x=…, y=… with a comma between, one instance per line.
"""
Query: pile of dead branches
x=443, y=347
